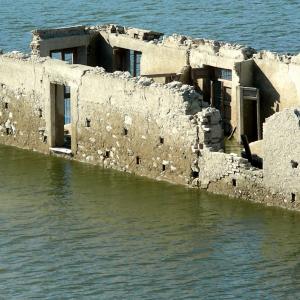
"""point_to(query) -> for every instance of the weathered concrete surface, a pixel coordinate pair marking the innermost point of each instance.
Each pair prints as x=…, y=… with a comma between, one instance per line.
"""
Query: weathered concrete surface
x=282, y=155
x=158, y=57
x=231, y=175
x=45, y=41
x=135, y=124
x=278, y=78
x=129, y=117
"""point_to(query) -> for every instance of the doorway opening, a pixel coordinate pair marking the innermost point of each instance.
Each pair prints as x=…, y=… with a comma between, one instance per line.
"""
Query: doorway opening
x=61, y=116
x=216, y=87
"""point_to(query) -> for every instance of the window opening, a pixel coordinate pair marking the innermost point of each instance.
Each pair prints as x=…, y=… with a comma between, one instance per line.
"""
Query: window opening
x=87, y=122
x=293, y=197
x=225, y=74
x=67, y=104
x=67, y=55
x=294, y=164
x=135, y=63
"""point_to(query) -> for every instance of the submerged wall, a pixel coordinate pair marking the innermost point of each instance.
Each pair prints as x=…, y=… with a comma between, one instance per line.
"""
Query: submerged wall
x=130, y=124
x=282, y=155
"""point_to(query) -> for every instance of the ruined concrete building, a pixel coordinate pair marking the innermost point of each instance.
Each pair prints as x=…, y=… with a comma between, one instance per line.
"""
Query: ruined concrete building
x=156, y=106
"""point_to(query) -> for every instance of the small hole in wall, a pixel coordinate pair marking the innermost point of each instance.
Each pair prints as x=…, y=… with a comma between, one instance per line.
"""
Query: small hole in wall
x=6, y=105
x=107, y=154
x=201, y=146
x=45, y=138
x=7, y=131
x=135, y=35
x=138, y=160
x=294, y=164
x=40, y=113
x=163, y=168
x=87, y=122
x=125, y=131
x=293, y=199
x=234, y=182
x=161, y=140
x=195, y=174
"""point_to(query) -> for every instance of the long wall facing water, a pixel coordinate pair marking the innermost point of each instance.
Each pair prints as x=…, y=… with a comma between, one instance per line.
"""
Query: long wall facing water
x=168, y=121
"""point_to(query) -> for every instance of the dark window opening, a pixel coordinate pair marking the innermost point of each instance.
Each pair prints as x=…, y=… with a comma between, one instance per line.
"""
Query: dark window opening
x=7, y=131
x=127, y=60
x=67, y=104
x=234, y=182
x=87, y=122
x=293, y=197
x=6, y=105
x=294, y=164
x=107, y=154
x=135, y=63
x=225, y=74
x=40, y=113
x=138, y=160
x=135, y=35
x=163, y=168
x=195, y=174
x=201, y=146
x=45, y=139
x=125, y=131
x=161, y=140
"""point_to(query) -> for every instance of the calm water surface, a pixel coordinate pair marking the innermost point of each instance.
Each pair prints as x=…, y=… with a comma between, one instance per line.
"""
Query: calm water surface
x=74, y=231
x=263, y=24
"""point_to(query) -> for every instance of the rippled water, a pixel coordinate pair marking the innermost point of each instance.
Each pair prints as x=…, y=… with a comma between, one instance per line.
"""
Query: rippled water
x=263, y=24
x=74, y=231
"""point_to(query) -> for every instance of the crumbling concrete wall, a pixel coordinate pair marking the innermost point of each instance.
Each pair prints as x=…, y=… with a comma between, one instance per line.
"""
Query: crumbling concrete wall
x=169, y=55
x=228, y=174
x=135, y=124
x=162, y=58
x=22, y=103
x=45, y=41
x=278, y=79
x=282, y=155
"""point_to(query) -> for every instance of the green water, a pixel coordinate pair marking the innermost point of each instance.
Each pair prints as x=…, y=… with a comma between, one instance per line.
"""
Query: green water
x=74, y=231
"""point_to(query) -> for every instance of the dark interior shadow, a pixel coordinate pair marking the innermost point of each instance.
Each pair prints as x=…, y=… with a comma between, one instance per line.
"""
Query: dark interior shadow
x=100, y=53
x=269, y=96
